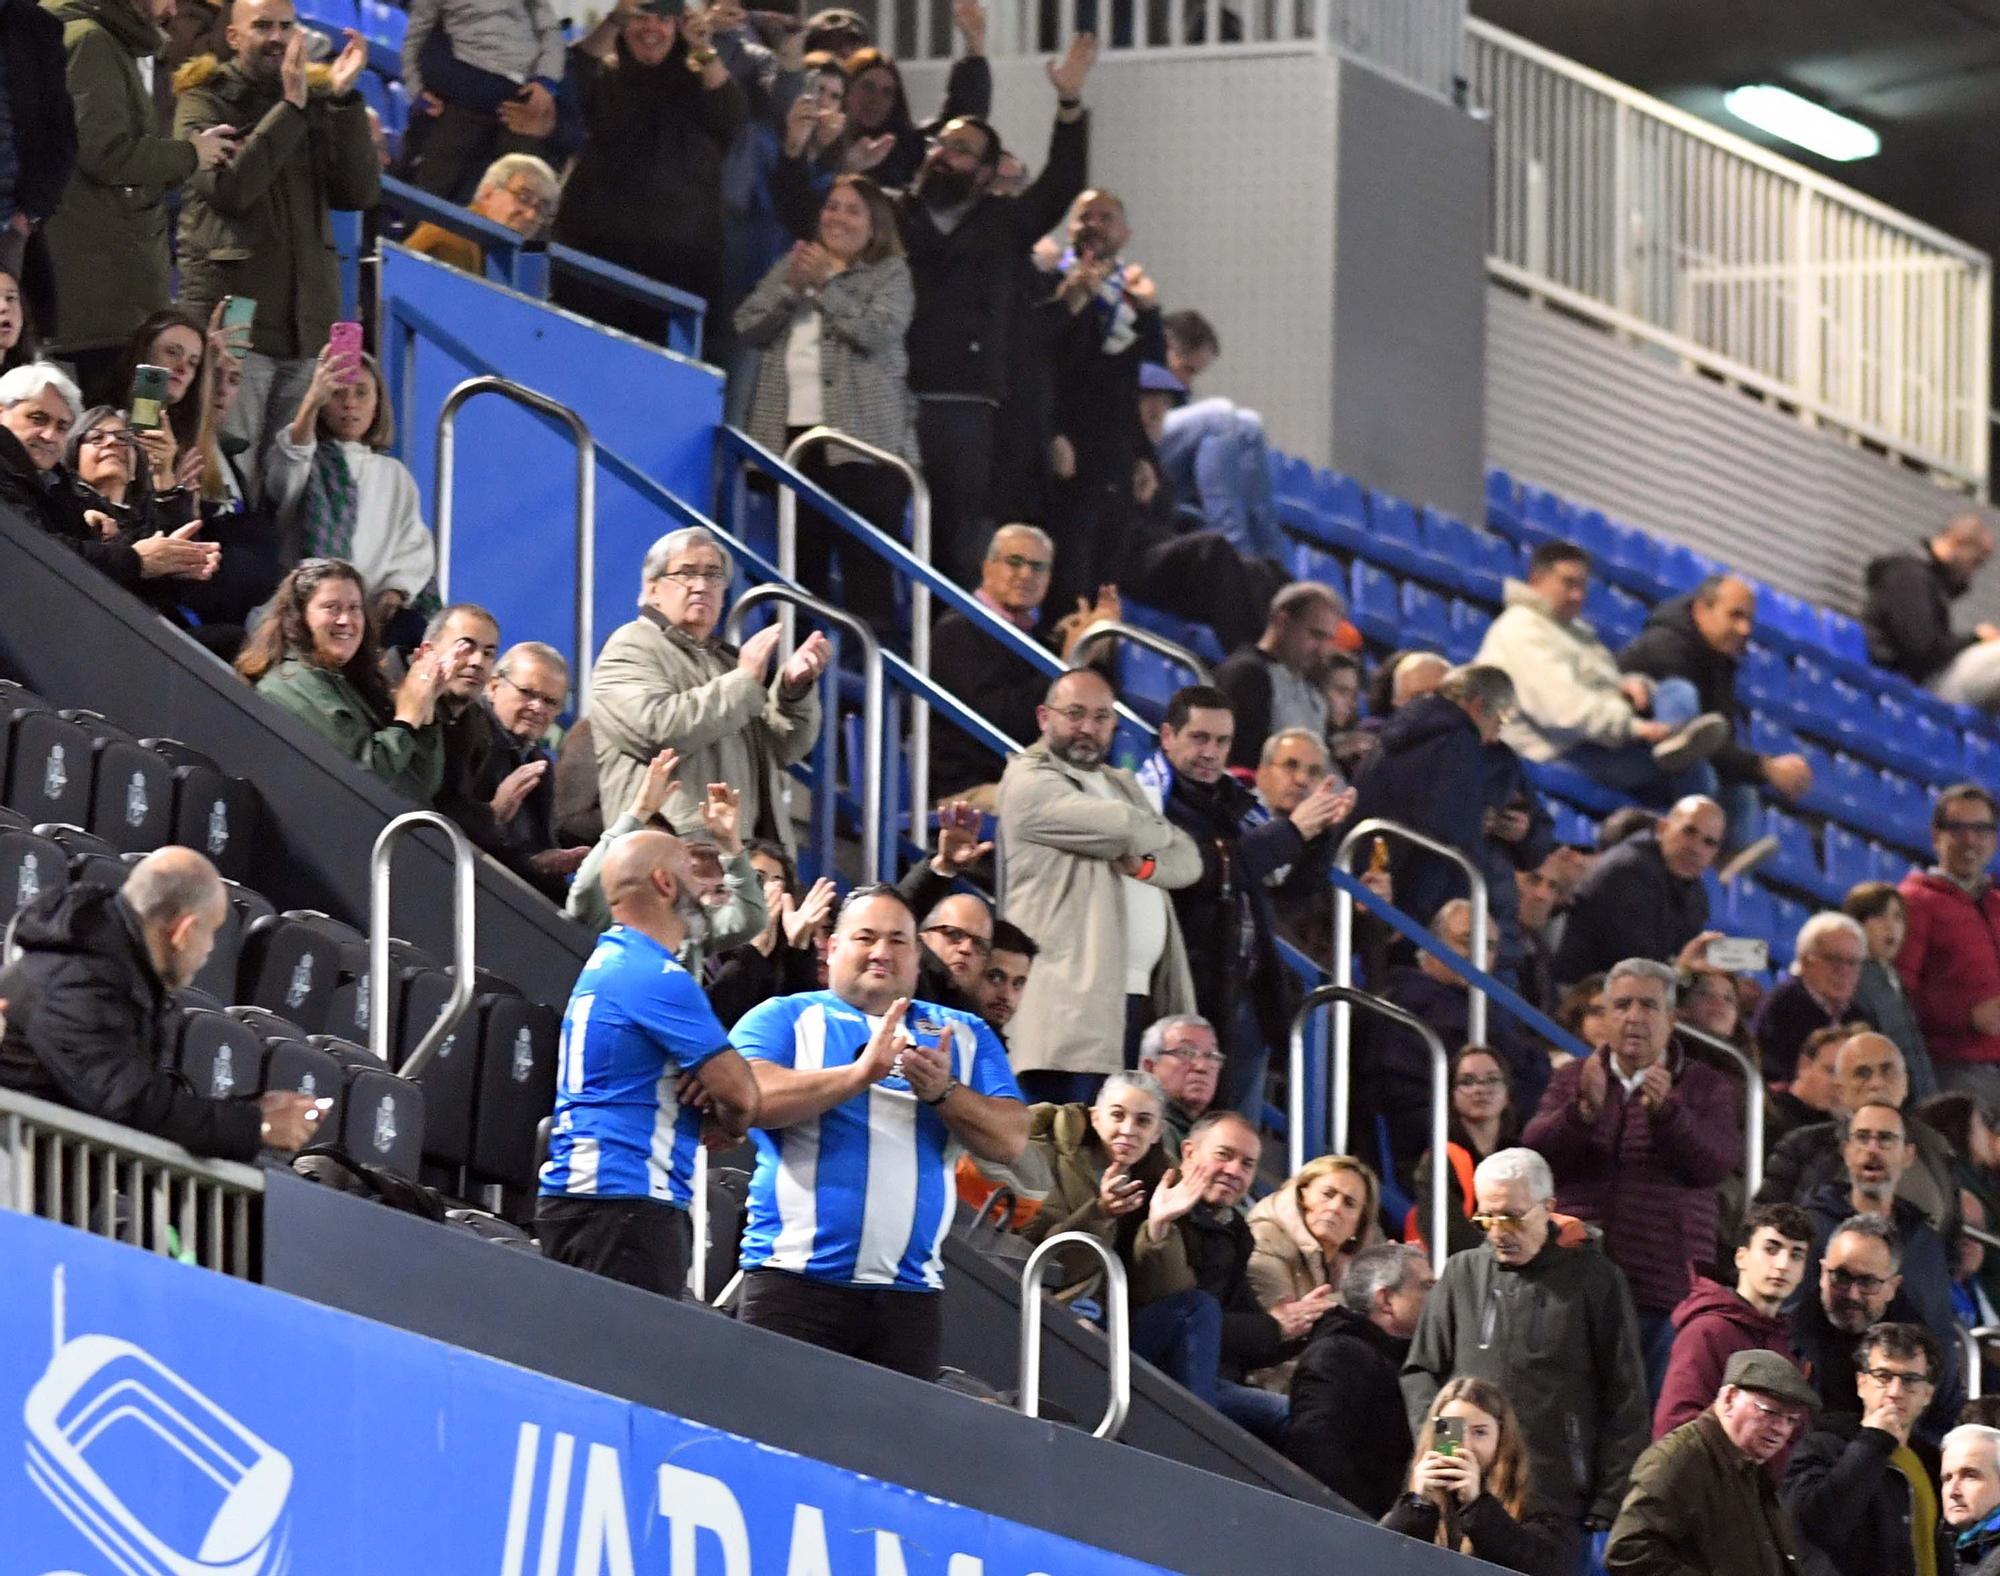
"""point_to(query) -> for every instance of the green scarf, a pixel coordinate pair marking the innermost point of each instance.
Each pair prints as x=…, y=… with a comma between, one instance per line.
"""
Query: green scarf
x=333, y=508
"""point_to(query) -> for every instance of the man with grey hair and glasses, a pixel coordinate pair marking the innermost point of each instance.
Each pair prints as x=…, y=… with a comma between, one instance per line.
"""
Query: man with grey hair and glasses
x=665, y=681
x=1639, y=1135
x=1182, y=1052
x=1546, y=1317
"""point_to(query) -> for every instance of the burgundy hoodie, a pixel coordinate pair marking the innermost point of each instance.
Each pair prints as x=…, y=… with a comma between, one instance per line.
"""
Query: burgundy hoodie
x=1711, y=1325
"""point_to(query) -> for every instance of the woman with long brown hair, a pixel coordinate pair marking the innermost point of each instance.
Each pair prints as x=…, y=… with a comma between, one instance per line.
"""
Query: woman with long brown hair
x=317, y=656
x=1471, y=1493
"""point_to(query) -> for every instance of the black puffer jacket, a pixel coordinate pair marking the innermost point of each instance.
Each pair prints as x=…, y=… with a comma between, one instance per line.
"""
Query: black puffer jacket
x=1348, y=1428
x=1908, y=615
x=646, y=192
x=55, y=506
x=1670, y=647
x=1850, y=1503
x=87, y=1020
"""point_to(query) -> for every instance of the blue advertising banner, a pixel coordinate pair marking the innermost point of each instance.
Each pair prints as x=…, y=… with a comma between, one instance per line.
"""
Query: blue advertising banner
x=164, y=1421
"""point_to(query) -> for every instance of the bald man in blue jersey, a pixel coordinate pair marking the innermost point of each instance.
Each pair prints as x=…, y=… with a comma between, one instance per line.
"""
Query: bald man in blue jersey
x=867, y=1099
x=647, y=1076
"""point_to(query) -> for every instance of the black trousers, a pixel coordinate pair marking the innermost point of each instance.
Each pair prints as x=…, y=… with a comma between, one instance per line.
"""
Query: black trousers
x=639, y=1241
x=446, y=153
x=1202, y=578
x=880, y=496
x=955, y=437
x=902, y=1330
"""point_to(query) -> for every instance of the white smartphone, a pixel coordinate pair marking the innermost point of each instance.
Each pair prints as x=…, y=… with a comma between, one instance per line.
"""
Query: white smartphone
x=1737, y=955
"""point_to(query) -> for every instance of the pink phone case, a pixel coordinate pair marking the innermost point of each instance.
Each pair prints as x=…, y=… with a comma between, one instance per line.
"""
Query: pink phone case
x=345, y=339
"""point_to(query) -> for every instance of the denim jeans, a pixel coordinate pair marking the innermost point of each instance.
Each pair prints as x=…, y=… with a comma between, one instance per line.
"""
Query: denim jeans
x=1216, y=453
x=1264, y=1413
x=1181, y=1335
x=1630, y=768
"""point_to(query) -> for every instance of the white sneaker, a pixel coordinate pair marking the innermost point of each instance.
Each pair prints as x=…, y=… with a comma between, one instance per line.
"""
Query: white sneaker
x=1692, y=742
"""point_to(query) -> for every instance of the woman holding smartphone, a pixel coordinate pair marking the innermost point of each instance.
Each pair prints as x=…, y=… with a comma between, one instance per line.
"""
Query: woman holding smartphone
x=1469, y=1486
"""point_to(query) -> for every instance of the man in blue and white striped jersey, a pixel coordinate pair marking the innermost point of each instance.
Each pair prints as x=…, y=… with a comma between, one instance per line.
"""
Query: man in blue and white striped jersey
x=647, y=1076
x=867, y=1098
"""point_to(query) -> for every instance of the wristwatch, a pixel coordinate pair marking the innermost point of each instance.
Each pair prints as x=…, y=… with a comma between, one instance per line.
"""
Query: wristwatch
x=1147, y=866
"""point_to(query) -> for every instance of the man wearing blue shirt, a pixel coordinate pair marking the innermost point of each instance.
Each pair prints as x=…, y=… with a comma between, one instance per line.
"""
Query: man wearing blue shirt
x=647, y=1075
x=866, y=1100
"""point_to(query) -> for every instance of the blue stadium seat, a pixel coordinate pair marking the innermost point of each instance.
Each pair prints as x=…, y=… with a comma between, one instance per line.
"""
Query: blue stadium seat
x=1795, y=863
x=1330, y=509
x=398, y=118
x=1449, y=557
x=1468, y=629
x=1635, y=561
x=1982, y=759
x=384, y=24
x=1198, y=638
x=1373, y=603
x=1786, y=917
x=1494, y=560
x=1905, y=810
x=1747, y=911
x=1768, y=736
x=1544, y=517
x=1313, y=563
x=374, y=93
x=1563, y=781
x=1292, y=479
x=1500, y=490
x=1843, y=636
x=1850, y=859
x=1147, y=681
x=1681, y=568
x=1764, y=679
x=337, y=15
x=1616, y=615
x=1392, y=535
x=1571, y=825
x=1888, y=864
x=1591, y=531
x=1425, y=622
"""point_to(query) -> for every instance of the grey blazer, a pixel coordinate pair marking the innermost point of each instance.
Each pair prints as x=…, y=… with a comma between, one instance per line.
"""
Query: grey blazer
x=864, y=315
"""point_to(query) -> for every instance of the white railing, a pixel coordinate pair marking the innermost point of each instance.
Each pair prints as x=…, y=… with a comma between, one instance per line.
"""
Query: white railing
x=1746, y=265
x=129, y=1186
x=1419, y=41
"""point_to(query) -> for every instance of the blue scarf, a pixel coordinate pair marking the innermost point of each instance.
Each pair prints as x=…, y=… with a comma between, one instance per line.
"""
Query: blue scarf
x=1973, y=1542
x=1114, y=315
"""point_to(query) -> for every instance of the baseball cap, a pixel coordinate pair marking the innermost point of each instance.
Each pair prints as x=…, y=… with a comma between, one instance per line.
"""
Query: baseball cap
x=668, y=8
x=1771, y=1373
x=1156, y=379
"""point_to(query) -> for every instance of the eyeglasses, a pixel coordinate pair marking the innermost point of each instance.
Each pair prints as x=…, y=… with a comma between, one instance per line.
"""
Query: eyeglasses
x=114, y=436
x=1834, y=961
x=1866, y=1284
x=1895, y=1378
x=533, y=697
x=1968, y=828
x=1487, y=1222
x=697, y=577
x=1039, y=566
x=1490, y=1081
x=543, y=207
x=1199, y=1055
x=960, y=938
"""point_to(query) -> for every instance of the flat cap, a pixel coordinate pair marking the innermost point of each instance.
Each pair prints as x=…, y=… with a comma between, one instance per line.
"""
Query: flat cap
x=1771, y=1373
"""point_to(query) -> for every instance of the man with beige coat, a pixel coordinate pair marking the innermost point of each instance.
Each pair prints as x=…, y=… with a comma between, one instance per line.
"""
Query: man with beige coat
x=664, y=682
x=1086, y=864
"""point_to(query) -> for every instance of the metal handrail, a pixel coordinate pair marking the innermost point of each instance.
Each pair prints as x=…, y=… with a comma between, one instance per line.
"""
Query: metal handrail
x=501, y=247
x=1343, y=939
x=1341, y=997
x=586, y=500
x=465, y=890
x=1117, y=629
x=920, y=594
x=1753, y=1120
x=78, y=1170
x=698, y=1270
x=871, y=705
x=1118, y=1324
x=1970, y=1340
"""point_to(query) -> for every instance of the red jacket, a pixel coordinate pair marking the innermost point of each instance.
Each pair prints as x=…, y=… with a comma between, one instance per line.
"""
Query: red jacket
x=1711, y=1325
x=1950, y=962
x=1647, y=1182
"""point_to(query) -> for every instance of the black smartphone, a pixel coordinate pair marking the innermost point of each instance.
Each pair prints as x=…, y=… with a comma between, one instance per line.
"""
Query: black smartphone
x=149, y=397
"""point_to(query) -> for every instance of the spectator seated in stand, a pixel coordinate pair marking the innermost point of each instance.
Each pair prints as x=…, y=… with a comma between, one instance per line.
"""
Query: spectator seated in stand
x=1908, y=615
x=1885, y=920
x=728, y=907
x=1553, y=1319
x=1182, y=1052
x=991, y=679
x=1700, y=637
x=1639, y=1136
x=1475, y=1497
x=1970, y=1497
x=1089, y=865
x=1857, y=1491
x=664, y=681
x=1950, y=962
x=1104, y=1160
x=341, y=494
x=1645, y=898
x=482, y=78
x=88, y=1019
x=1625, y=731
x=518, y=192
x=1858, y=1286
x=1813, y=1094
x=786, y=957
x=528, y=691
x=1279, y=682
x=1196, y=1240
x=1827, y=961
x=316, y=655
x=1721, y=1316
x=39, y=407
x=1240, y=983
x=1542, y=897
x=648, y=1077
x=1347, y=1403
x=1485, y=1118
x=845, y=1087
x=1307, y=1231
x=1867, y=1069
x=1875, y=1153
x=1698, y=1501
x=1004, y=978
x=1440, y=771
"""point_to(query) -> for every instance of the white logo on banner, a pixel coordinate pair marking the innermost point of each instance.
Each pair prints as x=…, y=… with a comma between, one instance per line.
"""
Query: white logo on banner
x=96, y=1382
